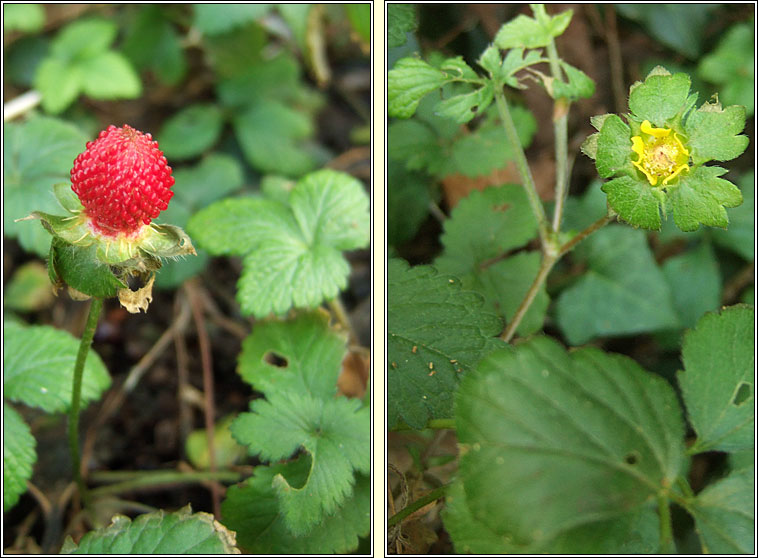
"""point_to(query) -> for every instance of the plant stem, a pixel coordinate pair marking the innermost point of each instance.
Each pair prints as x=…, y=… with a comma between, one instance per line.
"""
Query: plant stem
x=435, y=494
x=545, y=266
x=136, y=480
x=76, y=394
x=667, y=545
x=523, y=167
x=577, y=238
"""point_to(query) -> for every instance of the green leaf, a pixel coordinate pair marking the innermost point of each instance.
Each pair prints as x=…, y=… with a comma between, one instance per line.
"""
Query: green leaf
x=739, y=237
x=300, y=356
x=109, y=75
x=359, y=16
x=717, y=382
x=59, y=83
x=614, y=147
x=152, y=43
x=623, y=291
x=29, y=288
x=292, y=253
x=484, y=225
x=436, y=331
x=701, y=196
x=227, y=451
x=334, y=432
x=724, y=514
x=191, y=131
x=27, y=18
x=413, y=142
x=514, y=61
x=252, y=510
x=270, y=134
x=38, y=366
x=214, y=19
x=695, y=283
x=408, y=201
x=462, y=108
x=579, y=86
x=83, y=38
x=159, y=532
x=407, y=83
x=731, y=66
x=490, y=60
x=19, y=456
x=712, y=133
x=36, y=154
x=276, y=79
x=571, y=440
x=527, y=32
x=635, y=201
x=401, y=19
x=215, y=176
x=659, y=97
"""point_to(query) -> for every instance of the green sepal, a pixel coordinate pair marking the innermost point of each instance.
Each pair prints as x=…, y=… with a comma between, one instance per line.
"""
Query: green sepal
x=614, y=147
x=713, y=132
x=636, y=202
x=80, y=268
x=167, y=241
x=660, y=97
x=70, y=228
x=67, y=198
x=700, y=198
x=589, y=146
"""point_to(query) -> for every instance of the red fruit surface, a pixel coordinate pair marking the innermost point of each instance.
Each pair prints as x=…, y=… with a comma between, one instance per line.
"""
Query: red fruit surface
x=122, y=180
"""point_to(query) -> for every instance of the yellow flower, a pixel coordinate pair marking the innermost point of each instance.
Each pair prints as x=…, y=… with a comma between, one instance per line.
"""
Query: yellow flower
x=662, y=155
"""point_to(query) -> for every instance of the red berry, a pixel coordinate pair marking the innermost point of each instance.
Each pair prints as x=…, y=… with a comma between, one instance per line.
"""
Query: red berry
x=122, y=180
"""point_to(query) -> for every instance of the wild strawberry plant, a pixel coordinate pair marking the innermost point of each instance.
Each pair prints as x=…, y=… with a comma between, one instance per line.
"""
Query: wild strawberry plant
x=114, y=208
x=576, y=450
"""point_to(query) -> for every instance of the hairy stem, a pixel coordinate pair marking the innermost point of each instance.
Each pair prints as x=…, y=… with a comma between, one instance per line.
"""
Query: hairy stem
x=435, y=494
x=523, y=167
x=560, y=127
x=667, y=545
x=76, y=395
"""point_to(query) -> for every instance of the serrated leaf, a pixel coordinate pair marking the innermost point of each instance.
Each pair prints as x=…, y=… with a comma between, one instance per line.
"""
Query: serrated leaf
x=401, y=19
x=334, y=432
x=271, y=135
x=717, y=381
x=635, y=201
x=579, y=86
x=713, y=133
x=516, y=60
x=191, y=131
x=462, y=108
x=695, y=283
x=436, y=331
x=614, y=147
x=159, y=532
x=659, y=97
x=740, y=235
x=214, y=19
x=724, y=514
x=38, y=367
x=408, y=82
x=19, y=456
x=571, y=440
x=700, y=198
x=312, y=356
x=252, y=509
x=36, y=154
x=490, y=61
x=109, y=75
x=623, y=291
x=528, y=32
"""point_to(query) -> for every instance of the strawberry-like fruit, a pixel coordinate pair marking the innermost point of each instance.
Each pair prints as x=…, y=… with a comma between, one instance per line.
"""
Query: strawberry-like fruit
x=122, y=180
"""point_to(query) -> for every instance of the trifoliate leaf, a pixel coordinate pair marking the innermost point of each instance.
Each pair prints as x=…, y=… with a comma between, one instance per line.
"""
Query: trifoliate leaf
x=436, y=332
x=740, y=235
x=635, y=201
x=334, y=432
x=717, y=382
x=109, y=75
x=401, y=19
x=292, y=254
x=297, y=356
x=577, y=443
x=713, y=133
x=252, y=510
x=724, y=514
x=622, y=292
x=83, y=38
x=38, y=368
x=37, y=154
x=19, y=456
x=695, y=283
x=701, y=197
x=408, y=82
x=59, y=84
x=191, y=131
x=659, y=97
x=528, y=32
x=159, y=532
